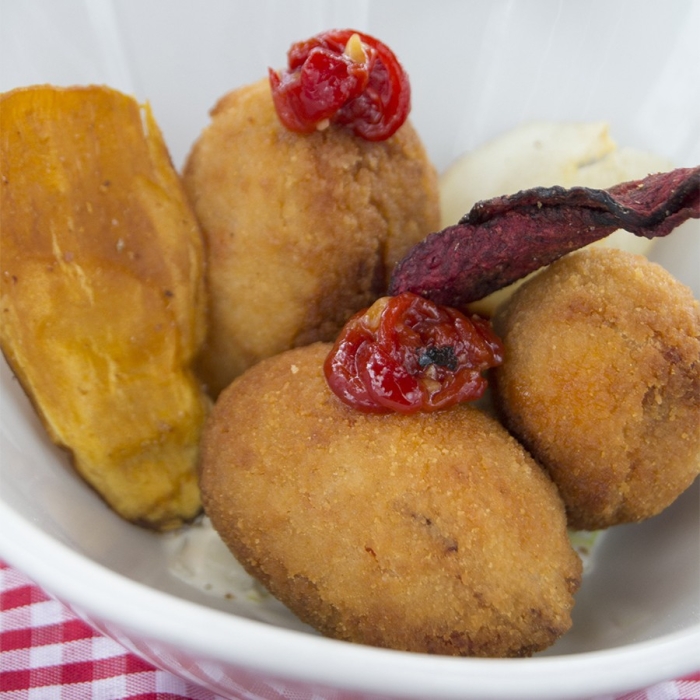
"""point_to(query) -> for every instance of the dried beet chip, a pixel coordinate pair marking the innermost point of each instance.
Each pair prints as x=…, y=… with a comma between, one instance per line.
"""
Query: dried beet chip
x=506, y=238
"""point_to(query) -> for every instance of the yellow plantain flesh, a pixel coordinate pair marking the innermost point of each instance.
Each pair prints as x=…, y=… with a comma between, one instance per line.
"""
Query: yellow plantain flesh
x=101, y=294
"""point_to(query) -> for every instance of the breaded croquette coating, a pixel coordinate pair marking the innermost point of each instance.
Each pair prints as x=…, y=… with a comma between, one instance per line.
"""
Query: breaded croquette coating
x=302, y=229
x=601, y=382
x=432, y=533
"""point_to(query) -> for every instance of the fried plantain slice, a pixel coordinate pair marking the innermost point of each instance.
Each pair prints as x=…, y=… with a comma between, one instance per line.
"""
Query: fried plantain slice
x=101, y=294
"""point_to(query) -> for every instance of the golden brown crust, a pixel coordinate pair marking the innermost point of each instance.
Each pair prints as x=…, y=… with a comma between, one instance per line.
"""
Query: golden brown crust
x=102, y=294
x=601, y=382
x=302, y=229
x=434, y=533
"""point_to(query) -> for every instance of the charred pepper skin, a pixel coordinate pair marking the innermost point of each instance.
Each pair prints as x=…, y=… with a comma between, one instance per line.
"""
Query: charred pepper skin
x=346, y=78
x=408, y=354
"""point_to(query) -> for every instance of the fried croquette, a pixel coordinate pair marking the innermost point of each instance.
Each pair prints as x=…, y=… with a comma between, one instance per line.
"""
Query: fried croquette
x=302, y=229
x=601, y=382
x=431, y=533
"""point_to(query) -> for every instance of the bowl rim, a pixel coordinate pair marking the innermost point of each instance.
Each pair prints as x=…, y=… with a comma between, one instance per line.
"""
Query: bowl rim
x=88, y=588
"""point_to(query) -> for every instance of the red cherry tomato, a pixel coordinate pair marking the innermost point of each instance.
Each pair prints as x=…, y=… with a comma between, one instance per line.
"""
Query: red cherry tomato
x=327, y=81
x=408, y=354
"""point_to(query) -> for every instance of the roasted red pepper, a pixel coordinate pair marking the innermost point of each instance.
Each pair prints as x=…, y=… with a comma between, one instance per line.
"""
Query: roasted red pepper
x=408, y=354
x=345, y=77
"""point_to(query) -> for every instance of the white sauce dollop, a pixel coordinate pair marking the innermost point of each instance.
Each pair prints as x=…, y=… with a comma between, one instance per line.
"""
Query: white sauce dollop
x=198, y=556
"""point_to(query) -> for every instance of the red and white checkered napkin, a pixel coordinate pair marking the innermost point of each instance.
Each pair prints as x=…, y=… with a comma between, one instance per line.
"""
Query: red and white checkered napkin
x=46, y=653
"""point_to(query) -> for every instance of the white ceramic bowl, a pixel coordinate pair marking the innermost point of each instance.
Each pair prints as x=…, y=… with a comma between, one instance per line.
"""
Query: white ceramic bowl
x=477, y=69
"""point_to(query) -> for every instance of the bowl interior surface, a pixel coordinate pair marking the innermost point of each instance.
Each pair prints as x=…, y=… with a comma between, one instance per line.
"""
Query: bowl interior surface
x=477, y=69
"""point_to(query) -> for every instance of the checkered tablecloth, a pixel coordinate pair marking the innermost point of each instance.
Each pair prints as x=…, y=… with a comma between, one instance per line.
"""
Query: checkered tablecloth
x=46, y=653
